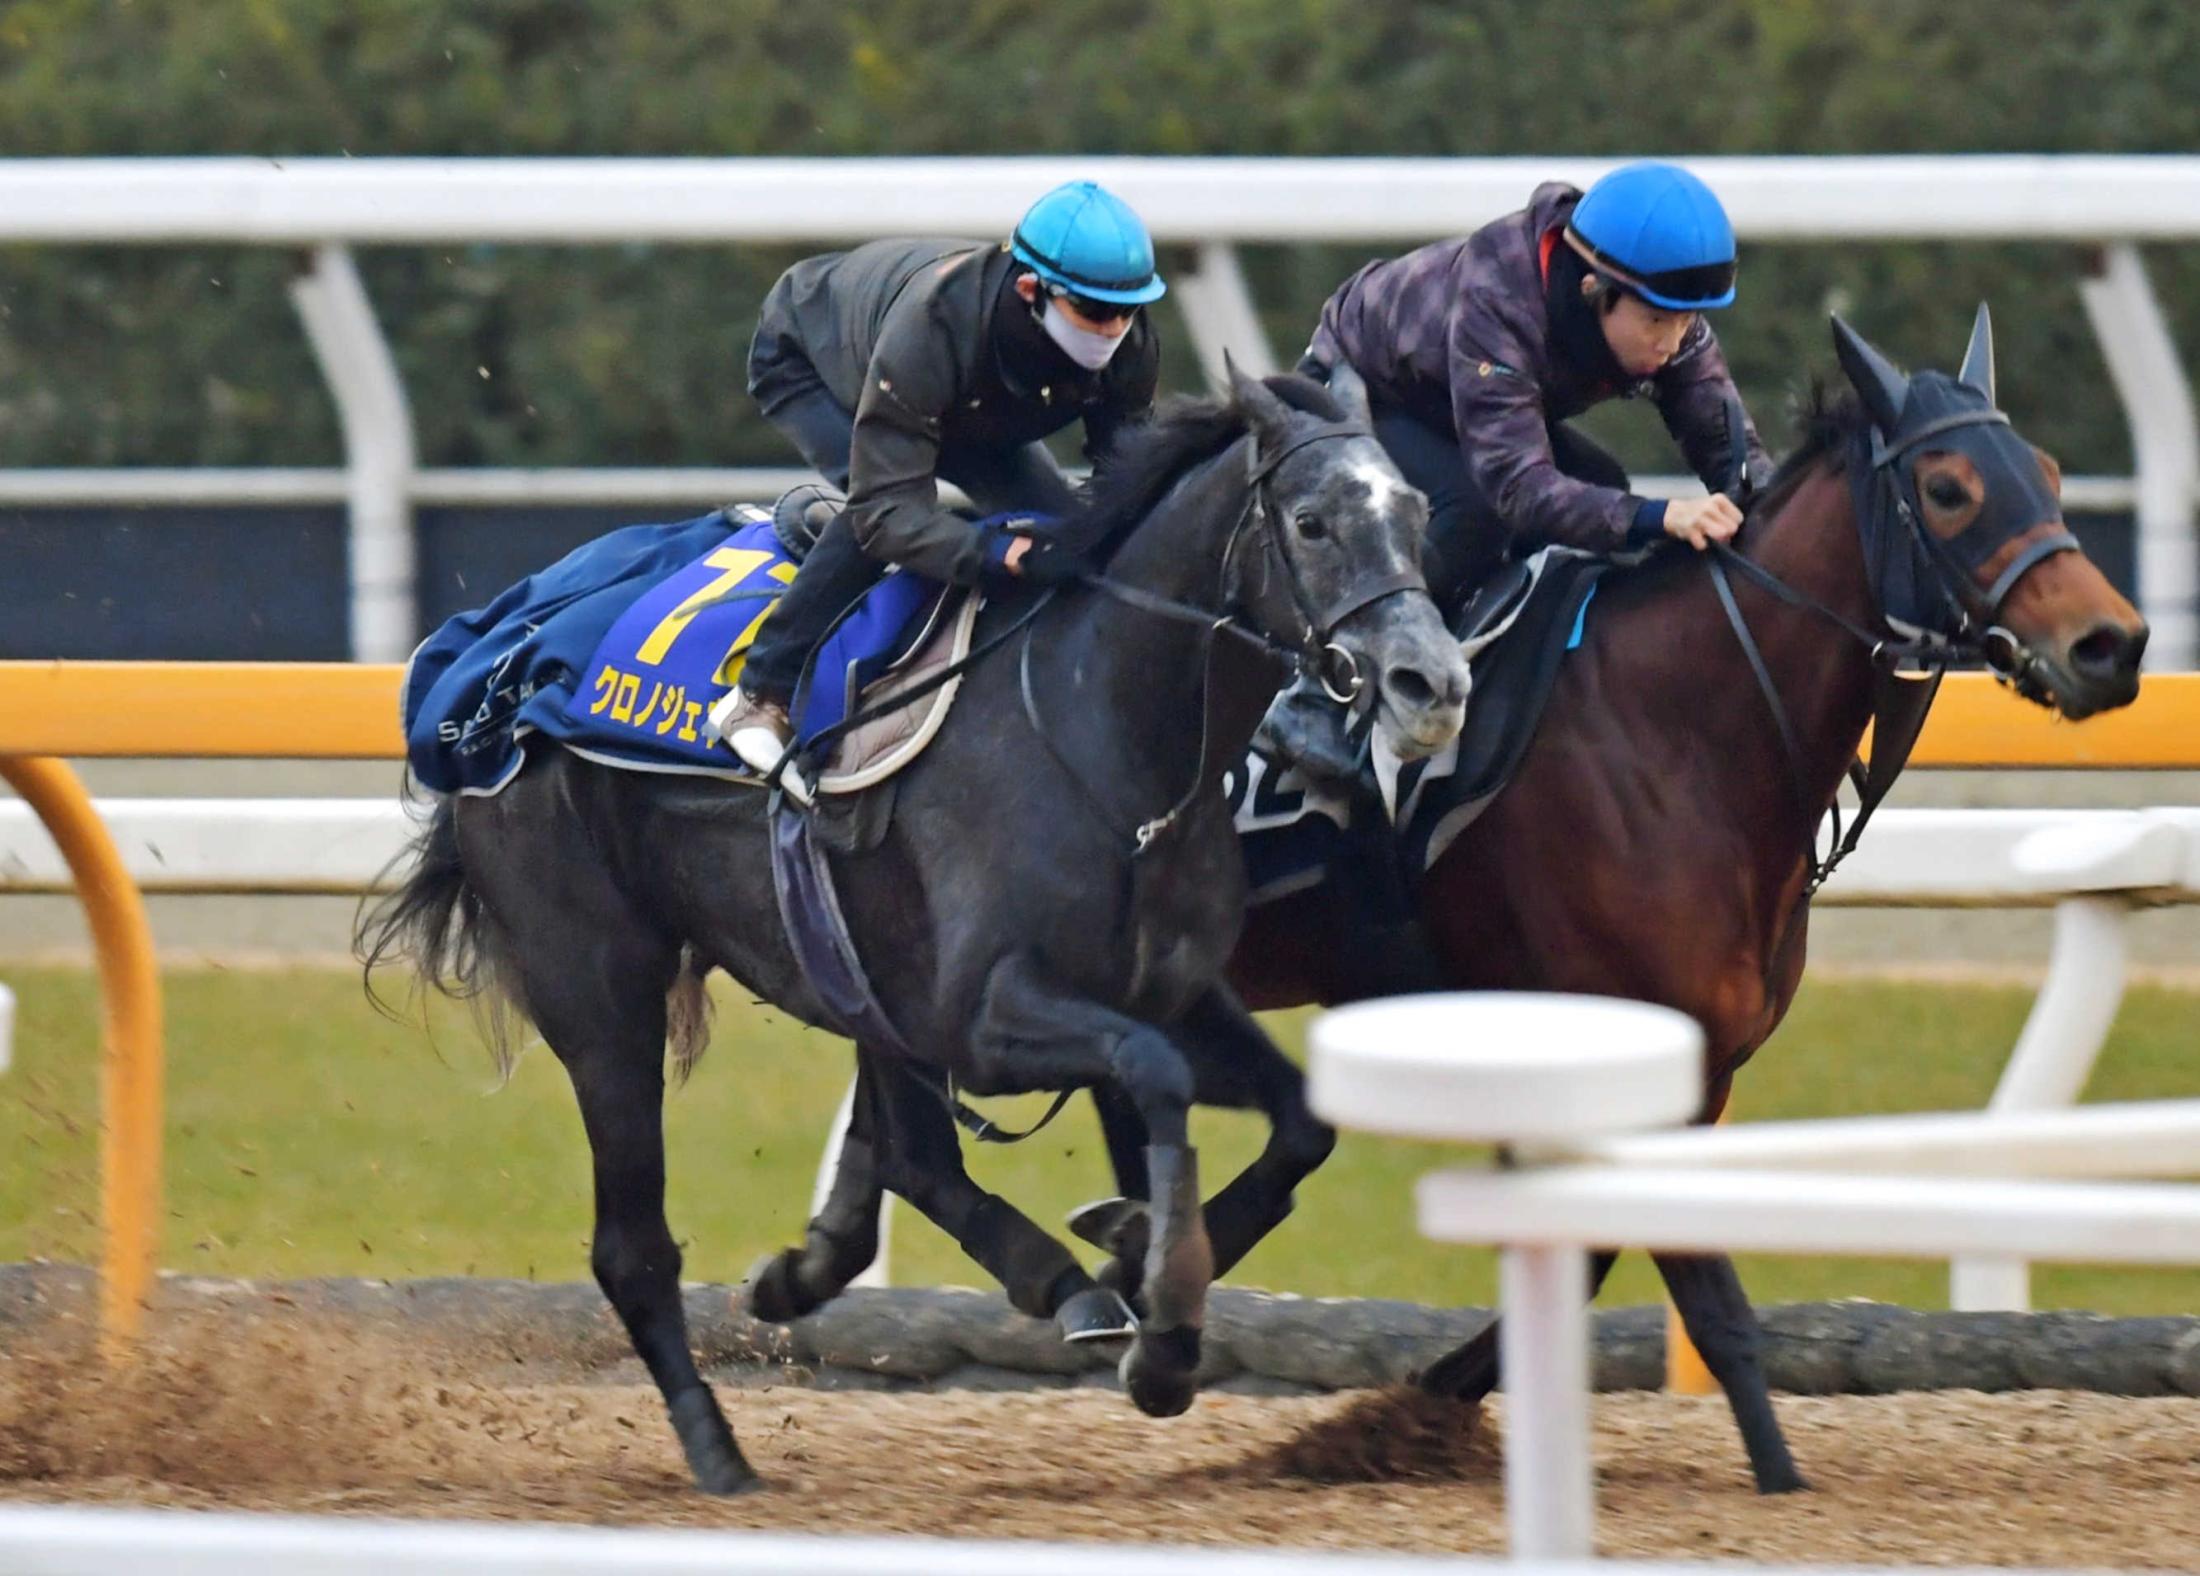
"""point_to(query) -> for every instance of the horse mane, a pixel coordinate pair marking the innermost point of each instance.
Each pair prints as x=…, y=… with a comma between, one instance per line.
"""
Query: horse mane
x=1827, y=420
x=1152, y=456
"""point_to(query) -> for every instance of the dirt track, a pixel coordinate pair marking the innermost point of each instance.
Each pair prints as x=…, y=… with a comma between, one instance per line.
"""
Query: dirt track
x=292, y=1419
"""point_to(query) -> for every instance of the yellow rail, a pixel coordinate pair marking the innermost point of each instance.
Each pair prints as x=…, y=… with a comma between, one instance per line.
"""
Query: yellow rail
x=130, y=1064
x=264, y=709
x=337, y=709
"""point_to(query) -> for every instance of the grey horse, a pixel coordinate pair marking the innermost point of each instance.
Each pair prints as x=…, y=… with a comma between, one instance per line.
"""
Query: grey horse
x=1051, y=906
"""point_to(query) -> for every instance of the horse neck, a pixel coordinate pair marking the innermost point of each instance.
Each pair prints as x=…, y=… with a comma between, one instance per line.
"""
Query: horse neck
x=1688, y=705
x=1822, y=673
x=1141, y=680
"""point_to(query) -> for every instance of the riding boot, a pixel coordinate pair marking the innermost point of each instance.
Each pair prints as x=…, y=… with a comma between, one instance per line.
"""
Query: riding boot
x=1306, y=729
x=754, y=719
x=757, y=730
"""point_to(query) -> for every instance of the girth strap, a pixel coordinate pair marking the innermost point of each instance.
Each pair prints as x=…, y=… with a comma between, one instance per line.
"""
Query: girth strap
x=817, y=931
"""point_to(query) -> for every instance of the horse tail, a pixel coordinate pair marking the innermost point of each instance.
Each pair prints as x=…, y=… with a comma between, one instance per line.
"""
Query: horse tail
x=436, y=923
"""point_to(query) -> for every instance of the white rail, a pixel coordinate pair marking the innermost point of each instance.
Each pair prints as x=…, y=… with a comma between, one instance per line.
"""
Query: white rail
x=561, y=486
x=1207, y=206
x=2094, y=867
x=52, y=1541
x=72, y=1541
x=565, y=202
x=1520, y=1071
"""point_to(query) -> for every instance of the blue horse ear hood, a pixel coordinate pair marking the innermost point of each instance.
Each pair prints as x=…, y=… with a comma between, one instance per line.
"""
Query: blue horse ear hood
x=1082, y=237
x=1662, y=233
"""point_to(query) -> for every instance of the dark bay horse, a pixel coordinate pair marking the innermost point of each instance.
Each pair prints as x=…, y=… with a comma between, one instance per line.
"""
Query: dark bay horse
x=1655, y=841
x=1653, y=844
x=1050, y=907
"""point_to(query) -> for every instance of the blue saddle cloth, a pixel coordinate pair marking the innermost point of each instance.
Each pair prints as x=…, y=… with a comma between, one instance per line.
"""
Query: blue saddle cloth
x=619, y=649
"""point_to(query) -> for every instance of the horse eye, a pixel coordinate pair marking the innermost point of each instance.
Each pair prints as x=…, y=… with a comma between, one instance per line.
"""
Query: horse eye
x=1947, y=492
x=1310, y=524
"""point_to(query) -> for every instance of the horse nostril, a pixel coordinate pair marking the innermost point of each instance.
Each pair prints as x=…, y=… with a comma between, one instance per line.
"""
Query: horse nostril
x=1410, y=688
x=2108, y=651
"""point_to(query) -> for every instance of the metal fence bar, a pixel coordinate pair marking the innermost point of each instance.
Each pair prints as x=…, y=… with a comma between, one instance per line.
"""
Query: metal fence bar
x=377, y=425
x=565, y=202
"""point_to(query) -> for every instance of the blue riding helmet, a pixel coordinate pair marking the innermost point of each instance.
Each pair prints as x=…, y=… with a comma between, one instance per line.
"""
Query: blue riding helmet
x=1086, y=240
x=1659, y=232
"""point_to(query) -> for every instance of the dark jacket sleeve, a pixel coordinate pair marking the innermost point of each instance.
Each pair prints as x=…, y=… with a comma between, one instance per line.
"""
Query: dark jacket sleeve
x=1692, y=391
x=1503, y=433
x=893, y=462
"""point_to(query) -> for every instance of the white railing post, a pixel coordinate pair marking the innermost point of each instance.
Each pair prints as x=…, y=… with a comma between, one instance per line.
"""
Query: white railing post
x=378, y=449
x=1543, y=1348
x=2054, y=1056
x=1219, y=314
x=2165, y=448
x=1535, y=1074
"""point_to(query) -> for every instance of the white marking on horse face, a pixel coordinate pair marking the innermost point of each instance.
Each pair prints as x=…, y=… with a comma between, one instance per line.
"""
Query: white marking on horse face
x=1384, y=487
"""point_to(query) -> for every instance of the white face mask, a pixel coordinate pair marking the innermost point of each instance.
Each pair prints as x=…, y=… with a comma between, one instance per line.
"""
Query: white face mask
x=1089, y=350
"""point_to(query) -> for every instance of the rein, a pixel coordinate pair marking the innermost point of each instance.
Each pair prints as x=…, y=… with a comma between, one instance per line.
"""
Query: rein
x=1317, y=622
x=1899, y=705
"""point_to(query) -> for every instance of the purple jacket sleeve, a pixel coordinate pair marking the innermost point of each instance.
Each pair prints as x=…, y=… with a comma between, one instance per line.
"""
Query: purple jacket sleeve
x=1692, y=391
x=1498, y=412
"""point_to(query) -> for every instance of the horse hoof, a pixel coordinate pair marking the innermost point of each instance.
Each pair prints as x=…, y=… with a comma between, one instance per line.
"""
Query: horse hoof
x=1458, y=1376
x=735, y=1477
x=1160, y=1372
x=1782, y=1481
x=1095, y=1314
x=771, y=1293
x=1104, y=1221
x=712, y=1456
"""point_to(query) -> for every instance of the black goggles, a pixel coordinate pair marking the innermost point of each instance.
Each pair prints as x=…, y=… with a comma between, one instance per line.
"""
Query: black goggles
x=1092, y=310
x=1706, y=282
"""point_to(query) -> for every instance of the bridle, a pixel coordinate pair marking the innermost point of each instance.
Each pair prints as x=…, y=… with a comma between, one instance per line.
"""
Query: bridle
x=1883, y=491
x=1313, y=650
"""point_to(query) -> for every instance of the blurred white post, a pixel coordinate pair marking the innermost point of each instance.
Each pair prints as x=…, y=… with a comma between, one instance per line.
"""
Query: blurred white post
x=378, y=449
x=1220, y=316
x=878, y=1272
x=2054, y=1057
x=1532, y=1073
x=1543, y=1350
x=2165, y=448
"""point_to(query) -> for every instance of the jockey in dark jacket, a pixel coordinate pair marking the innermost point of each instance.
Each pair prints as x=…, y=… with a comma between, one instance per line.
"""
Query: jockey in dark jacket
x=901, y=364
x=1476, y=351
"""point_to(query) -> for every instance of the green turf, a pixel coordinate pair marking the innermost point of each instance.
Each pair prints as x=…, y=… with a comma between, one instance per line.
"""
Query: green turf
x=307, y=1136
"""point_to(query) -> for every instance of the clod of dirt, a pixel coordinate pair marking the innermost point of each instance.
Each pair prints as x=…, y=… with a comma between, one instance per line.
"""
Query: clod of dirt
x=1386, y=1436
x=206, y=1401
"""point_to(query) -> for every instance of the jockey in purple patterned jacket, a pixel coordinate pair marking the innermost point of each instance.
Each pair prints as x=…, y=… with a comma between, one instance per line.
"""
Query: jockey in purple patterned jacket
x=1475, y=353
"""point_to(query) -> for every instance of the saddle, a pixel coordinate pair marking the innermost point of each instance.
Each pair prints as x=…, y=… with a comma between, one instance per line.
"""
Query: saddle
x=1515, y=631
